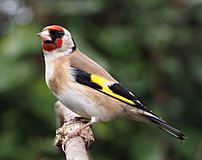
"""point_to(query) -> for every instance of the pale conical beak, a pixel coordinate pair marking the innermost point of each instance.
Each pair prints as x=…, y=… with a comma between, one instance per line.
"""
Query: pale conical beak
x=45, y=35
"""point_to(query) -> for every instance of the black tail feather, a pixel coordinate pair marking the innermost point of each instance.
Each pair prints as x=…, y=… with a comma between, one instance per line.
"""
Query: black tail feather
x=166, y=127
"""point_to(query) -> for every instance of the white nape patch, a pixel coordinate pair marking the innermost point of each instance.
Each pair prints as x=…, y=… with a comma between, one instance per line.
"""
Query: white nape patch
x=67, y=32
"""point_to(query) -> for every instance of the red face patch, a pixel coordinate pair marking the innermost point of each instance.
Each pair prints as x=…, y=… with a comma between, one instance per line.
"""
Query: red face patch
x=52, y=46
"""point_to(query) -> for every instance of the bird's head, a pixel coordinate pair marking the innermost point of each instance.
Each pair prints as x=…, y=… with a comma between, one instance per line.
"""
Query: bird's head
x=56, y=38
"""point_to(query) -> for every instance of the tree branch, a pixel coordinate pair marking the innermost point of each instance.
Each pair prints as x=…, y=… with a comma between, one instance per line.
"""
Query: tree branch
x=74, y=148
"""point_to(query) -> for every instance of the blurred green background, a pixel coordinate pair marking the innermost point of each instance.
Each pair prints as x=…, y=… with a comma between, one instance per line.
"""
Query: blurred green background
x=152, y=47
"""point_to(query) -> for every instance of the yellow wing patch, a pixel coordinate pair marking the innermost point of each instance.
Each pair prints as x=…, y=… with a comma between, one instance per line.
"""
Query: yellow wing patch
x=105, y=88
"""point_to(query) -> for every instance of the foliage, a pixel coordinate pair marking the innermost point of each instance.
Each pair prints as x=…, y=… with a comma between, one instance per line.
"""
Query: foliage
x=152, y=47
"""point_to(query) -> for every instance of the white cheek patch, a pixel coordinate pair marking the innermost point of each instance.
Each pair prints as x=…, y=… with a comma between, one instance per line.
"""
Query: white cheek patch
x=67, y=41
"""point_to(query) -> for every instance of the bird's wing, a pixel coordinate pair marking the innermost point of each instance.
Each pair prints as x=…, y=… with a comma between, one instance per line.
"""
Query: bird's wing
x=83, y=62
x=113, y=89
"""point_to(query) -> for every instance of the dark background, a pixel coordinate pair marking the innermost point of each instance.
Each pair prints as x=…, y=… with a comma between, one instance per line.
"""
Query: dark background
x=152, y=47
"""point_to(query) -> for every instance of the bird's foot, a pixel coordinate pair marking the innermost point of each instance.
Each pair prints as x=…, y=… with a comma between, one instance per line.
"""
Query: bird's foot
x=81, y=131
x=75, y=129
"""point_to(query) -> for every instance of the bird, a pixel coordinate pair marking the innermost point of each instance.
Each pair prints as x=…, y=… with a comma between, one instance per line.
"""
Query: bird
x=86, y=88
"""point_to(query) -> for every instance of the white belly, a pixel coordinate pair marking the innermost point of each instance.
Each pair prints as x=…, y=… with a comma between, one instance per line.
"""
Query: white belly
x=77, y=103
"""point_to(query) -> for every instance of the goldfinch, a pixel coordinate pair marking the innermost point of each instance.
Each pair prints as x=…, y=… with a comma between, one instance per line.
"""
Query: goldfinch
x=85, y=88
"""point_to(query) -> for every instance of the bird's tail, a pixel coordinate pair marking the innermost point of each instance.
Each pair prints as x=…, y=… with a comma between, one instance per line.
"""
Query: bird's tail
x=149, y=116
x=166, y=127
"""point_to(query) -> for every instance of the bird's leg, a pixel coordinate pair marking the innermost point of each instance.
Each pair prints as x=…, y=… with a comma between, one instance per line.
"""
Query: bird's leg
x=78, y=131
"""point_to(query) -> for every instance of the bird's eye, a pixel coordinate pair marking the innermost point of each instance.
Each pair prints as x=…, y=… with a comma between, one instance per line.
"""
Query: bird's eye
x=56, y=33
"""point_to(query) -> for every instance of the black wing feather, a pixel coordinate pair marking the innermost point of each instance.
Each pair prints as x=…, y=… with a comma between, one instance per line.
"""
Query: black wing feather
x=84, y=78
x=122, y=91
